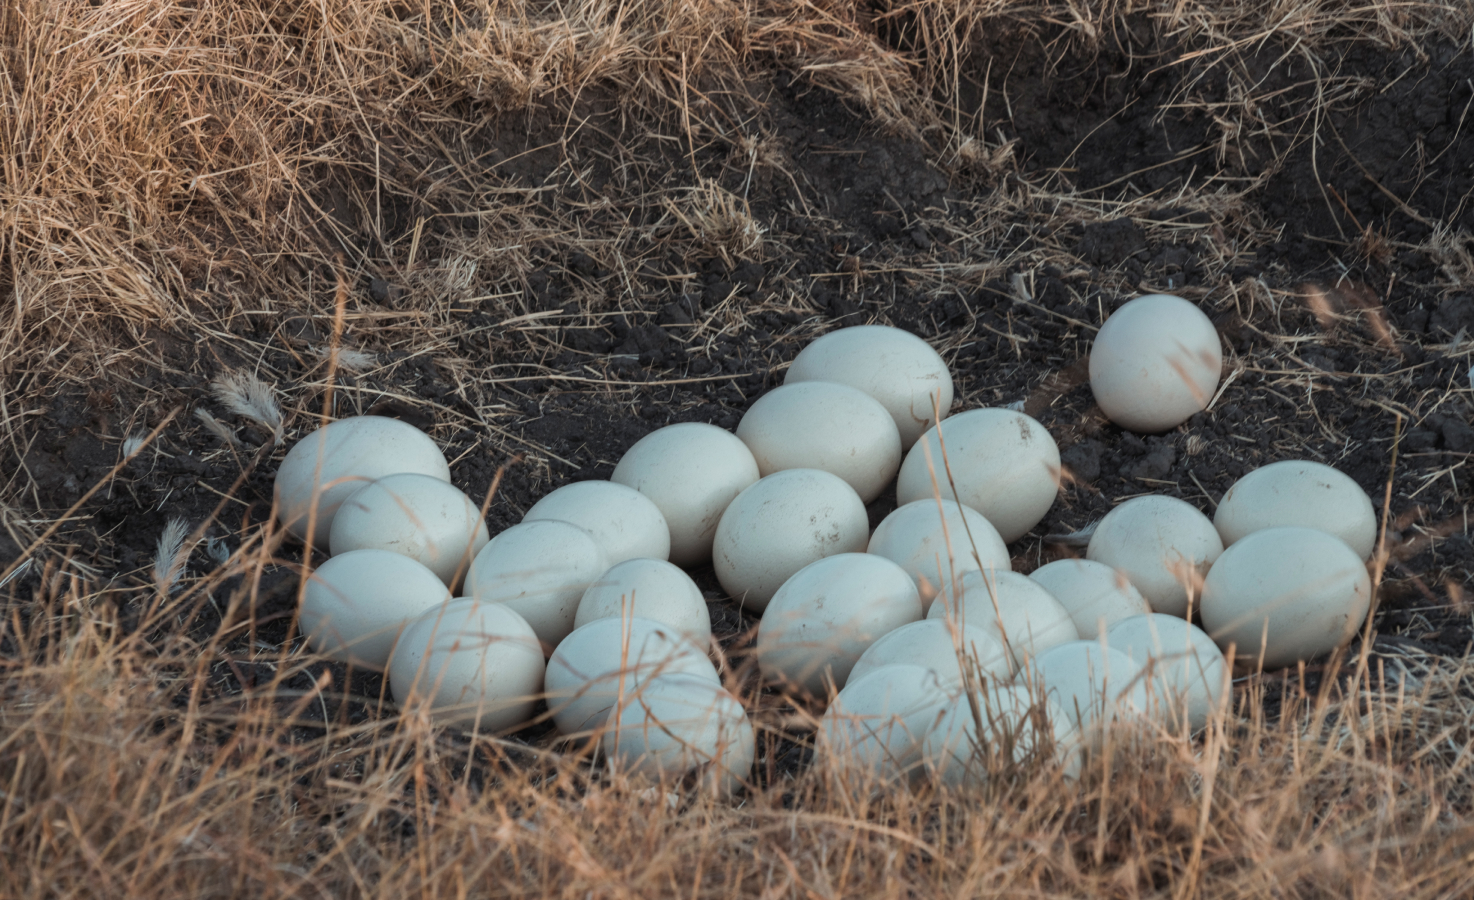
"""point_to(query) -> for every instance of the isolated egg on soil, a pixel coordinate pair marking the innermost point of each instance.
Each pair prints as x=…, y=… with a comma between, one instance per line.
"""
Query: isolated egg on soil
x=827, y=614
x=674, y=724
x=1155, y=362
x=651, y=589
x=1188, y=672
x=1004, y=464
x=690, y=471
x=541, y=569
x=1162, y=544
x=1095, y=595
x=875, y=726
x=478, y=664
x=897, y=368
x=420, y=516
x=1094, y=685
x=781, y=524
x=609, y=658
x=827, y=426
x=335, y=461
x=355, y=605
x=930, y=643
x=957, y=752
x=1286, y=594
x=1299, y=492
x=626, y=523
x=933, y=543
x=1017, y=611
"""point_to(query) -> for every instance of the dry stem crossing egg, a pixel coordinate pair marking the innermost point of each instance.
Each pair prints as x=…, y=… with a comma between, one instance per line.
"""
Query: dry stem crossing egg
x=674, y=724
x=875, y=726
x=966, y=743
x=946, y=648
x=1095, y=595
x=1016, y=610
x=1187, y=669
x=1164, y=545
x=936, y=541
x=1096, y=686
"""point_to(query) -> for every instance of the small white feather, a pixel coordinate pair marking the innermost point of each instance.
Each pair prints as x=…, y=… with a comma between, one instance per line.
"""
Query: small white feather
x=247, y=396
x=171, y=555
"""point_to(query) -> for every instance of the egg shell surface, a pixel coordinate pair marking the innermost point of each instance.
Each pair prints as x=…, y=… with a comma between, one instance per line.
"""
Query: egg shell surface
x=355, y=605
x=419, y=516
x=1288, y=594
x=625, y=522
x=827, y=614
x=541, y=569
x=478, y=664
x=1188, y=672
x=1298, y=492
x=1155, y=362
x=957, y=752
x=674, y=724
x=937, y=540
x=1164, y=546
x=1096, y=686
x=930, y=643
x=651, y=589
x=897, y=368
x=1004, y=464
x=826, y=426
x=336, y=461
x=875, y=726
x=1095, y=595
x=1026, y=618
x=781, y=524
x=690, y=471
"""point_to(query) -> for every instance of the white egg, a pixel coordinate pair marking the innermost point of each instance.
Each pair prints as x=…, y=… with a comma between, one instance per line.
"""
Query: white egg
x=1299, y=492
x=356, y=604
x=478, y=664
x=1163, y=545
x=1155, y=363
x=1188, y=672
x=781, y=524
x=827, y=426
x=875, y=726
x=1095, y=595
x=957, y=751
x=338, y=459
x=897, y=368
x=1285, y=594
x=609, y=658
x=1004, y=464
x=1017, y=611
x=823, y=618
x=945, y=648
x=1094, y=685
x=936, y=540
x=626, y=523
x=420, y=516
x=651, y=589
x=690, y=471
x=541, y=569
x=674, y=724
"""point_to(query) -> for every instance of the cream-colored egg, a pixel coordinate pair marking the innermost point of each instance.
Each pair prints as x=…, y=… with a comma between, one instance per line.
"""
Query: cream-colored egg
x=1299, y=492
x=1163, y=545
x=781, y=524
x=690, y=471
x=1285, y=595
x=1095, y=595
x=1094, y=685
x=609, y=658
x=1188, y=673
x=478, y=665
x=827, y=614
x=541, y=569
x=946, y=648
x=1004, y=464
x=897, y=368
x=826, y=426
x=935, y=541
x=958, y=752
x=875, y=726
x=651, y=589
x=626, y=523
x=1017, y=611
x=1155, y=363
x=342, y=457
x=673, y=725
x=420, y=516
x=356, y=604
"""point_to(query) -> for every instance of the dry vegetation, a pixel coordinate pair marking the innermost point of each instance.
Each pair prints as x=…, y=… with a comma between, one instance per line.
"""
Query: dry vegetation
x=174, y=169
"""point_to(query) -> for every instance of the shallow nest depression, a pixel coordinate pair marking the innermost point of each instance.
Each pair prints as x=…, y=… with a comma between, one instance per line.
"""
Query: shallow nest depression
x=542, y=229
